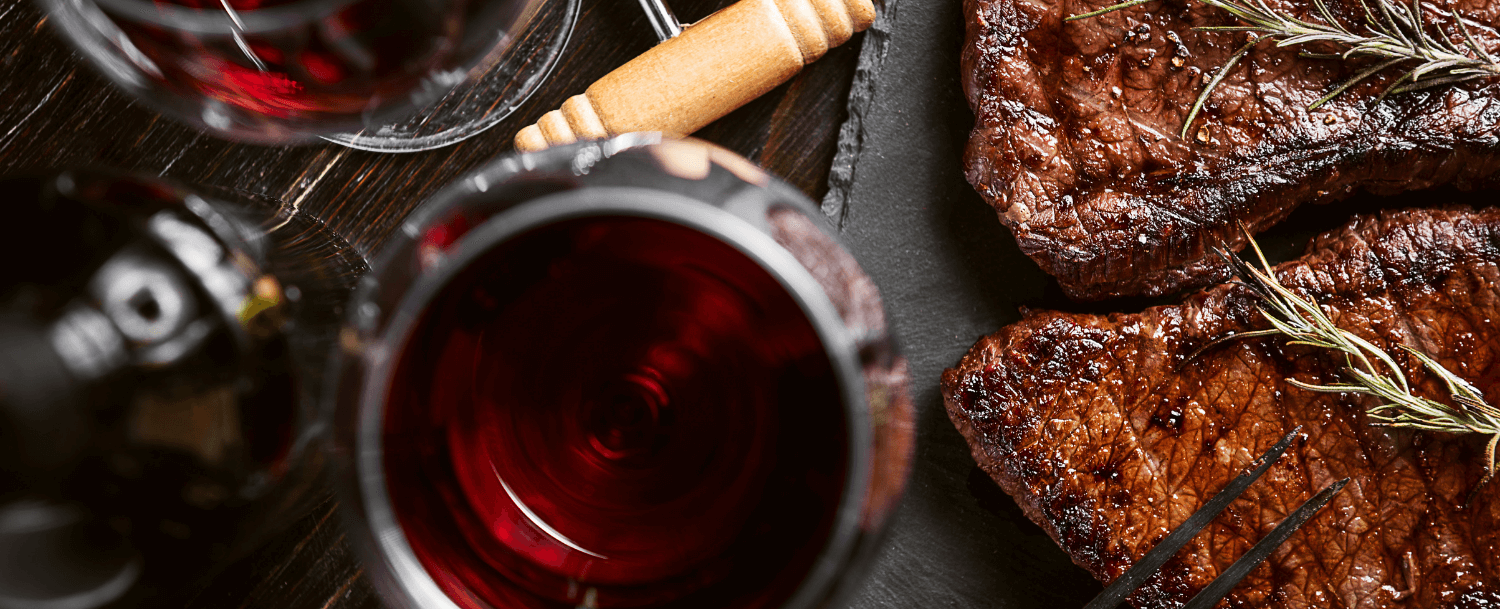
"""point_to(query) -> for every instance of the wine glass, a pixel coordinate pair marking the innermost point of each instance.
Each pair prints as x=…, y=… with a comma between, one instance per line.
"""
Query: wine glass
x=657, y=382
x=288, y=71
x=158, y=350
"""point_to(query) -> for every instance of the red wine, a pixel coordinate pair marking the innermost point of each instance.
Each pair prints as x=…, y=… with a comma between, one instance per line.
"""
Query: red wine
x=615, y=412
x=302, y=63
x=332, y=65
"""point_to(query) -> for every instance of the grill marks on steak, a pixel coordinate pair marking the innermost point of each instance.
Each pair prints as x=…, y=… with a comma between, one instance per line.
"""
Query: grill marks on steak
x=1076, y=141
x=1109, y=437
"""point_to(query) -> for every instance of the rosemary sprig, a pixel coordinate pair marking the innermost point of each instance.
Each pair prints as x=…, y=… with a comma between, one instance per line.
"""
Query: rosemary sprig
x=1393, y=33
x=1371, y=370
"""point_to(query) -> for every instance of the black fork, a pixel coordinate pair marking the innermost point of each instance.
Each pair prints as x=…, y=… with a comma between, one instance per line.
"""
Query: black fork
x=1220, y=587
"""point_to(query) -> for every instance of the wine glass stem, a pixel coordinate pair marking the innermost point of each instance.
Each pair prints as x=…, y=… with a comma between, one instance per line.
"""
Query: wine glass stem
x=662, y=20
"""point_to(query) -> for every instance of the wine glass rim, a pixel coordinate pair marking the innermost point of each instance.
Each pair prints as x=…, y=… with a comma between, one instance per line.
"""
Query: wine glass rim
x=838, y=546
x=223, y=19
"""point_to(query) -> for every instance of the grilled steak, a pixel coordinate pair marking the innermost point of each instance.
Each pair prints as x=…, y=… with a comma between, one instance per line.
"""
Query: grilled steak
x=1076, y=139
x=1109, y=435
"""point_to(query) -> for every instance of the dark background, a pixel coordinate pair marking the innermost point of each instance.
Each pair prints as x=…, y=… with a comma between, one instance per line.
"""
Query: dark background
x=948, y=271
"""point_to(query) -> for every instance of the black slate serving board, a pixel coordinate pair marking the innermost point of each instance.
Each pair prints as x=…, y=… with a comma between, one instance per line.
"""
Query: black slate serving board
x=949, y=274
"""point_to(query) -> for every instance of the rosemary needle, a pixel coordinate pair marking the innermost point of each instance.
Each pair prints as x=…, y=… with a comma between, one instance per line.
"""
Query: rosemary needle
x=1369, y=369
x=1393, y=32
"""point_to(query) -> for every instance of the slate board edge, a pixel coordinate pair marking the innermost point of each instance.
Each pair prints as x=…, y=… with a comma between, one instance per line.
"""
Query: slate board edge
x=861, y=95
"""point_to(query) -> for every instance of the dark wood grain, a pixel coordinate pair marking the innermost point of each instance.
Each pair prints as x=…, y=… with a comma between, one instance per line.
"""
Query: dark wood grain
x=56, y=111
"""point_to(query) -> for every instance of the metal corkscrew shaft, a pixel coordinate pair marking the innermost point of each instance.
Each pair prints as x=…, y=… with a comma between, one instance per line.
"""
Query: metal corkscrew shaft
x=662, y=20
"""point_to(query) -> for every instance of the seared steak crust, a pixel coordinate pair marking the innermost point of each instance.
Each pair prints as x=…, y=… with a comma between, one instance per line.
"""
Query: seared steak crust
x=1076, y=143
x=1108, y=435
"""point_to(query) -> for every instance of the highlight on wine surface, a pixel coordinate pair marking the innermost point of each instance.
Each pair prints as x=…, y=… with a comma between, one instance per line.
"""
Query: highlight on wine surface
x=277, y=71
x=655, y=384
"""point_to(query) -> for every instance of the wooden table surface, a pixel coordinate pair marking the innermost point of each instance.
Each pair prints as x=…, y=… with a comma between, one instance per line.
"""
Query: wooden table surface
x=56, y=111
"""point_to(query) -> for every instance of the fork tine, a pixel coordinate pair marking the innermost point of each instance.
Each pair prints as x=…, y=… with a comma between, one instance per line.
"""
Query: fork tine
x=1147, y=566
x=1226, y=581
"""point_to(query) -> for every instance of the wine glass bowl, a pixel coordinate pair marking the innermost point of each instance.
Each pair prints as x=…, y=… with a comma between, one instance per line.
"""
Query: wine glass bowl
x=604, y=403
x=283, y=71
x=495, y=88
x=159, y=349
x=618, y=374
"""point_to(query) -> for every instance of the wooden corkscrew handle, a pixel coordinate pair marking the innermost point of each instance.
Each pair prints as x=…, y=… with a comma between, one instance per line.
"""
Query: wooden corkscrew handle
x=715, y=66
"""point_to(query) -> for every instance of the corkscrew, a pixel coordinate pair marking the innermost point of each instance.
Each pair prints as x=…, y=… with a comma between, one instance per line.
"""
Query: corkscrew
x=702, y=71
